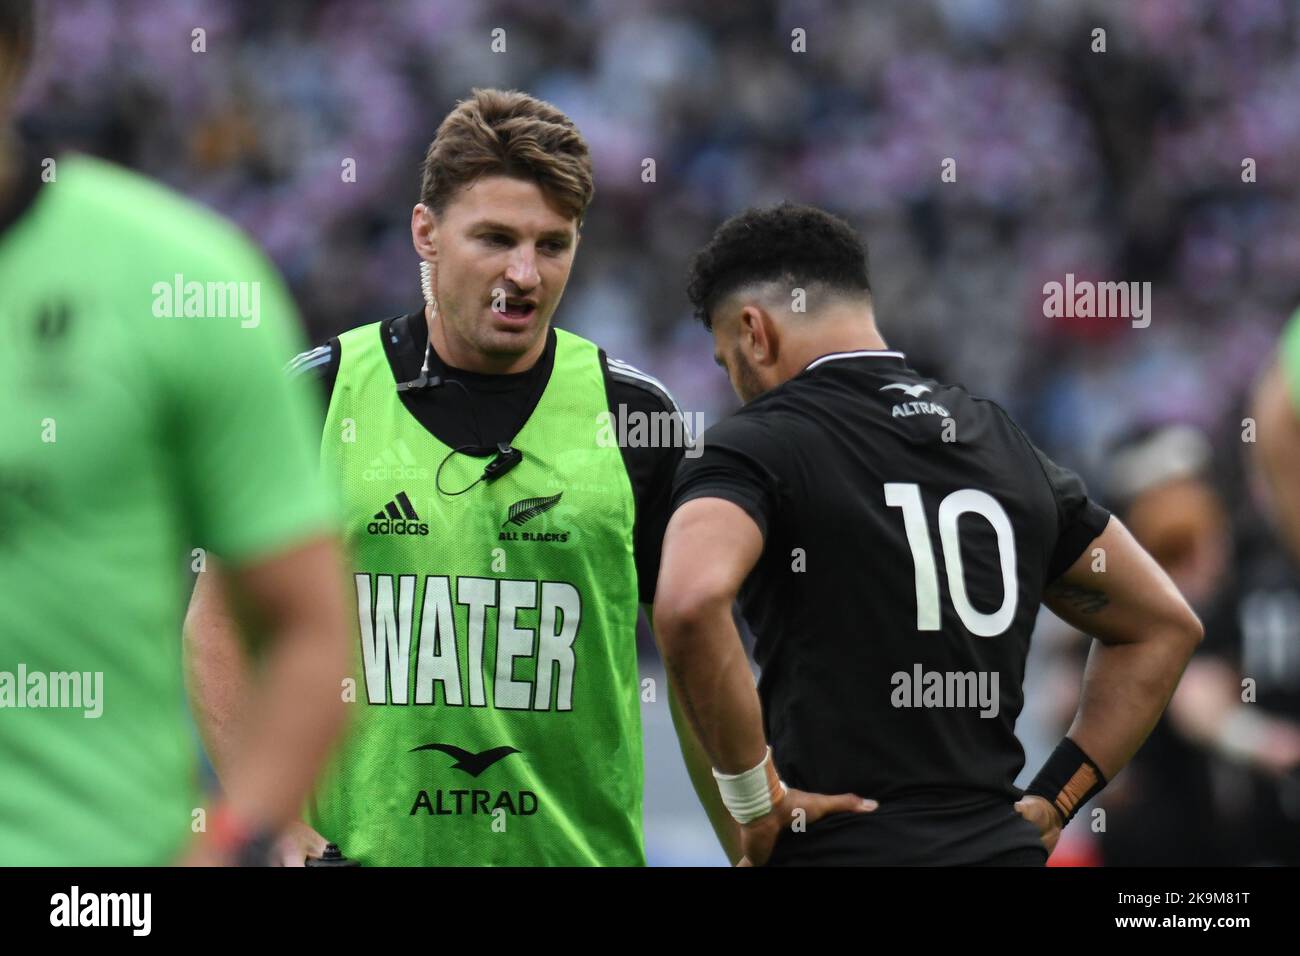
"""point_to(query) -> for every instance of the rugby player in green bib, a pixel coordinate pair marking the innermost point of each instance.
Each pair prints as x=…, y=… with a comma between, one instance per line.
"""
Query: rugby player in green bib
x=503, y=529
x=135, y=429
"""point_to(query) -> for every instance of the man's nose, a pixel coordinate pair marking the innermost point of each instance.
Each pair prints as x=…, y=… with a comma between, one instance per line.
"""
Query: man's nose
x=522, y=270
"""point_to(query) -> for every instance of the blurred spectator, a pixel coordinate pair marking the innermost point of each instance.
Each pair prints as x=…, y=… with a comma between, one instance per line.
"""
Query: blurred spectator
x=1124, y=164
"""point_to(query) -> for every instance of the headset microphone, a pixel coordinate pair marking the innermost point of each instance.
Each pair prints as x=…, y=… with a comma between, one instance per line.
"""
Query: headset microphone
x=424, y=379
x=506, y=457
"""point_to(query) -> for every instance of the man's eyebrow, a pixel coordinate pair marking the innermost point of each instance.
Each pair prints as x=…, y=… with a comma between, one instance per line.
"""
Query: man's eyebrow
x=494, y=226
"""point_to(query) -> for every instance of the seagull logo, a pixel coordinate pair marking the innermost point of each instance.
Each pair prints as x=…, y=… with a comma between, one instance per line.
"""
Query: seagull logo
x=470, y=763
x=916, y=391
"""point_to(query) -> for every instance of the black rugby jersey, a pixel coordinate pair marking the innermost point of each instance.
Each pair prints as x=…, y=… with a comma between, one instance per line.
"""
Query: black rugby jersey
x=909, y=531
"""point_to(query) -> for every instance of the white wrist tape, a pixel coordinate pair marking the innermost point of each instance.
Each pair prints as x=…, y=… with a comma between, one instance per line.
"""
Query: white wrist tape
x=750, y=795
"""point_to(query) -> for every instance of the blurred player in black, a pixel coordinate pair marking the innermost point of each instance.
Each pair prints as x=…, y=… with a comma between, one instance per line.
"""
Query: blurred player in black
x=1248, y=707
x=890, y=539
x=1240, y=696
x=1264, y=644
x=1216, y=782
x=1161, y=811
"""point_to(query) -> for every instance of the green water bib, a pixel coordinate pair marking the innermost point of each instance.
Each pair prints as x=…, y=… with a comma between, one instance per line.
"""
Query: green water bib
x=496, y=718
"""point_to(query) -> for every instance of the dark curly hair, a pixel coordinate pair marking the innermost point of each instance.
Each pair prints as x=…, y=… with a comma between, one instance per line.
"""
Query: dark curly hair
x=801, y=245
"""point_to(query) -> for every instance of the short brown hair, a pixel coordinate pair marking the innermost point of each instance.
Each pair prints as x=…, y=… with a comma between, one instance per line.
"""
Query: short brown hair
x=508, y=133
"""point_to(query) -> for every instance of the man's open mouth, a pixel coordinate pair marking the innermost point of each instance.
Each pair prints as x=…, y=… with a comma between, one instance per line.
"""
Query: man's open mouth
x=519, y=308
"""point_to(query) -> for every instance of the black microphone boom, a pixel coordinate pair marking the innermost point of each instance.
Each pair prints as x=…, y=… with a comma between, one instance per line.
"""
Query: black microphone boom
x=420, y=384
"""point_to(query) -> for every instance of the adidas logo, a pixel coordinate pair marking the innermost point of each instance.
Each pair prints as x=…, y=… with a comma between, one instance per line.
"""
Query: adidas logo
x=395, y=464
x=398, y=517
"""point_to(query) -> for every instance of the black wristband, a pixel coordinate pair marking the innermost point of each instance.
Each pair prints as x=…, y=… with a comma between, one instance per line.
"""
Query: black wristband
x=1068, y=780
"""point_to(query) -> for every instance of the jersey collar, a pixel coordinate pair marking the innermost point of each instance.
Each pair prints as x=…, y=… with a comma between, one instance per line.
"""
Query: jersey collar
x=859, y=353
x=407, y=356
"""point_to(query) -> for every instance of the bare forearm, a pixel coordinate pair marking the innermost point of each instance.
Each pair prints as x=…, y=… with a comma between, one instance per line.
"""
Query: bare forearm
x=1145, y=633
x=701, y=774
x=714, y=686
x=268, y=727
x=1126, y=688
x=293, y=715
x=706, y=788
x=219, y=673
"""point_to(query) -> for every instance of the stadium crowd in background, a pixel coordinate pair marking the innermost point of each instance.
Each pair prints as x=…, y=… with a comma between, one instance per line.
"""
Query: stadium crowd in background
x=1124, y=165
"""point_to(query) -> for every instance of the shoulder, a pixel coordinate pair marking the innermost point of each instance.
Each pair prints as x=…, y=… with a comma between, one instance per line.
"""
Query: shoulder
x=774, y=418
x=320, y=365
x=151, y=217
x=755, y=434
x=394, y=325
x=638, y=390
x=1021, y=441
x=321, y=362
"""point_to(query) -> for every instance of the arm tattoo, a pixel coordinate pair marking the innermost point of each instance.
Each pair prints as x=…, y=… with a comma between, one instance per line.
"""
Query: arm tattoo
x=684, y=702
x=1081, y=599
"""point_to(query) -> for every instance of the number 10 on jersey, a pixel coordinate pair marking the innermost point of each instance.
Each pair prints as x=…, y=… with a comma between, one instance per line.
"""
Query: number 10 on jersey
x=907, y=496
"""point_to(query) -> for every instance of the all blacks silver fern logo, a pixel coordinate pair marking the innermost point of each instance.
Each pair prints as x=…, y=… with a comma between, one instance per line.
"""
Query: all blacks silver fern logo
x=524, y=511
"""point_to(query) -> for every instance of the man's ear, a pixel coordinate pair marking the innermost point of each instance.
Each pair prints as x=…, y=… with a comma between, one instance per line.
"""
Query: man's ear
x=424, y=232
x=759, y=334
